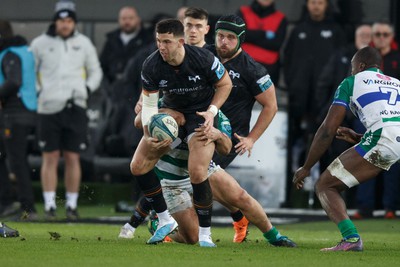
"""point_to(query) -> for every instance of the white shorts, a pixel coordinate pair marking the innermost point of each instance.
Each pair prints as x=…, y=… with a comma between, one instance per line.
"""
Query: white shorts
x=178, y=193
x=381, y=148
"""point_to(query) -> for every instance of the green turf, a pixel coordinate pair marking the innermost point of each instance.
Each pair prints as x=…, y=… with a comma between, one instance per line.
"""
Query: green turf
x=98, y=245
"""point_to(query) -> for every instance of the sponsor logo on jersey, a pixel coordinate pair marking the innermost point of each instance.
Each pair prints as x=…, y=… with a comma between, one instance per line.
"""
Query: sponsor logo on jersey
x=234, y=74
x=382, y=82
x=218, y=67
x=302, y=35
x=194, y=78
x=383, y=77
x=163, y=83
x=182, y=91
x=264, y=82
x=326, y=34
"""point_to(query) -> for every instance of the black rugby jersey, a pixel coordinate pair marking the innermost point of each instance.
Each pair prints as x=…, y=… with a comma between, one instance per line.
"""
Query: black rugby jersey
x=189, y=89
x=249, y=78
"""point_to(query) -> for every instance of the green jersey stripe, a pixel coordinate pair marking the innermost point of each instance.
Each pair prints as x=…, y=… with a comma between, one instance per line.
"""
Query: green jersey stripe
x=167, y=175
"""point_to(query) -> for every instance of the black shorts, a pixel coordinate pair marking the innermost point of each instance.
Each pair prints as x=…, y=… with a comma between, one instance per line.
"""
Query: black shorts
x=65, y=130
x=193, y=121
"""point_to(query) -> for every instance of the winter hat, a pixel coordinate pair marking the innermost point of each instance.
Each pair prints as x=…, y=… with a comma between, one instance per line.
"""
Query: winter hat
x=65, y=9
x=232, y=23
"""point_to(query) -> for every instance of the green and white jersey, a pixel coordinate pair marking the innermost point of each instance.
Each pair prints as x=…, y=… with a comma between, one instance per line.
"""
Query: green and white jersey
x=174, y=164
x=372, y=96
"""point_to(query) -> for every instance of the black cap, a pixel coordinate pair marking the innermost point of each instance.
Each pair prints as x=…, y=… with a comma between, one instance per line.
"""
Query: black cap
x=64, y=13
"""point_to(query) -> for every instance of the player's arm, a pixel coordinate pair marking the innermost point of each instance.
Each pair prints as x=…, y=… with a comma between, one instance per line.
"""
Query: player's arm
x=267, y=100
x=223, y=143
x=178, y=116
x=149, y=108
x=348, y=135
x=222, y=90
x=322, y=140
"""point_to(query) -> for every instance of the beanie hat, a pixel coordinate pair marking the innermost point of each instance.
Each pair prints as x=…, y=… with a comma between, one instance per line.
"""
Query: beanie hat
x=232, y=23
x=65, y=9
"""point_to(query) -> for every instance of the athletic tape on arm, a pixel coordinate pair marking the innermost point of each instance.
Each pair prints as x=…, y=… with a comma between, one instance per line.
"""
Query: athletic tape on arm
x=150, y=107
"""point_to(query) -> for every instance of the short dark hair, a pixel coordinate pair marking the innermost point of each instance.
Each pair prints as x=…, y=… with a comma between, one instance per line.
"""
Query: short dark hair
x=368, y=55
x=6, y=31
x=173, y=26
x=196, y=13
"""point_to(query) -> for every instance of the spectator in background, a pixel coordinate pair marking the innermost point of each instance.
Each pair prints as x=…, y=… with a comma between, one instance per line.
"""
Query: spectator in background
x=180, y=13
x=332, y=74
x=122, y=44
x=18, y=103
x=309, y=47
x=69, y=71
x=383, y=40
x=265, y=34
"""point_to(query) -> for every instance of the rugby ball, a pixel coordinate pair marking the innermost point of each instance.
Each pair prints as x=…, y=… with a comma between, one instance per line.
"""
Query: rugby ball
x=163, y=127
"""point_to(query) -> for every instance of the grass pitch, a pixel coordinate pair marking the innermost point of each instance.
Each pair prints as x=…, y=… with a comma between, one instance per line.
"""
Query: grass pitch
x=98, y=245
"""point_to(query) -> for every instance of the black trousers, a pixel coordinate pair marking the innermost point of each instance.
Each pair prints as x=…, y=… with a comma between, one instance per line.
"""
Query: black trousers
x=16, y=147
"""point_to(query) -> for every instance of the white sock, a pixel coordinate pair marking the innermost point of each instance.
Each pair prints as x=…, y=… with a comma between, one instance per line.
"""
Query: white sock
x=164, y=217
x=49, y=200
x=204, y=233
x=72, y=200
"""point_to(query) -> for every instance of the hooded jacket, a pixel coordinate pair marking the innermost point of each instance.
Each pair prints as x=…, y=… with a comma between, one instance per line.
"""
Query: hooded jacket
x=67, y=69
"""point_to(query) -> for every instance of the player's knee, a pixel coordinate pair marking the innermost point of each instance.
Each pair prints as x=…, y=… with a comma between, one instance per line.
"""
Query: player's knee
x=241, y=199
x=197, y=173
x=191, y=239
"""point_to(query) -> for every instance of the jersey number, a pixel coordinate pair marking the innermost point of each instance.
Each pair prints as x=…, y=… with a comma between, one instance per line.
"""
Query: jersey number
x=393, y=94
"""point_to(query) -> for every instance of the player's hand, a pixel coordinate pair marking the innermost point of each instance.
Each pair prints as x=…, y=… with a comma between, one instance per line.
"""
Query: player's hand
x=178, y=116
x=245, y=144
x=348, y=135
x=159, y=146
x=138, y=106
x=210, y=136
x=299, y=176
x=208, y=119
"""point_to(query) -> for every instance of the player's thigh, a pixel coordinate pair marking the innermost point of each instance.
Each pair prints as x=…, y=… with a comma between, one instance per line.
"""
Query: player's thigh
x=346, y=171
x=225, y=188
x=199, y=156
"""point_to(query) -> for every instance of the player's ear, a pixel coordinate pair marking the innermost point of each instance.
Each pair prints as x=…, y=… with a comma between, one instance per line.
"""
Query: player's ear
x=207, y=28
x=181, y=41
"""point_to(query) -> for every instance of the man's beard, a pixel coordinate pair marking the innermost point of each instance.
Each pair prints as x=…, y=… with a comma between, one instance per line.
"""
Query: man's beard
x=226, y=54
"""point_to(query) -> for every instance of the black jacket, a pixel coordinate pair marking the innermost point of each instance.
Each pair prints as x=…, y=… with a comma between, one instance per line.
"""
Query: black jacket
x=115, y=55
x=309, y=47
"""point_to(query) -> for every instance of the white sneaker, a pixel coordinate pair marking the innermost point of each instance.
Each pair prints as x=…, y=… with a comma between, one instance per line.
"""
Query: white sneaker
x=127, y=231
x=206, y=241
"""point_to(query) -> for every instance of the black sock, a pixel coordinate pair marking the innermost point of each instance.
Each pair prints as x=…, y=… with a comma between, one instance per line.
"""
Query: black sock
x=202, y=202
x=151, y=188
x=237, y=215
x=140, y=213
